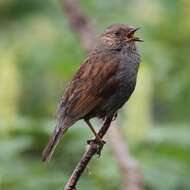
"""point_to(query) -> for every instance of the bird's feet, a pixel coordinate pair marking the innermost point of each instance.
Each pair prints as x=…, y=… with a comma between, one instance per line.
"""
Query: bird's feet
x=98, y=142
x=114, y=117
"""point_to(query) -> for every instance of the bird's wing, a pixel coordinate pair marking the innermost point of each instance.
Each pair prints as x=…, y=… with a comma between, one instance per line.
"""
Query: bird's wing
x=94, y=82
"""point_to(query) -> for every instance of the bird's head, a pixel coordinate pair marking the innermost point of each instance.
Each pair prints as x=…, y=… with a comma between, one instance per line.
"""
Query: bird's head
x=119, y=35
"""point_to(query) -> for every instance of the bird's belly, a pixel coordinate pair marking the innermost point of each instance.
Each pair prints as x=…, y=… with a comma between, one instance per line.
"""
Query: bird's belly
x=117, y=100
x=111, y=105
x=127, y=75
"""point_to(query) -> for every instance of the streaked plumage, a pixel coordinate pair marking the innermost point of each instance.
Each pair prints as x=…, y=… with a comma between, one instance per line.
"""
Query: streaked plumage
x=103, y=83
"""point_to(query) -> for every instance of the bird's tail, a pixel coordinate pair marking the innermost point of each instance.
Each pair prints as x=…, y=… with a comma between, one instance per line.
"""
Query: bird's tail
x=53, y=142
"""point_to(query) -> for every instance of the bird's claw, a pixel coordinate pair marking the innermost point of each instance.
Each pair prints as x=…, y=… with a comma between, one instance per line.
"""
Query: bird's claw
x=114, y=117
x=100, y=148
x=96, y=141
x=100, y=144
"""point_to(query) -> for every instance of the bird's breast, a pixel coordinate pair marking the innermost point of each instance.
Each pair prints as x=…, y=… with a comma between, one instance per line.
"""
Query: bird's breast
x=129, y=64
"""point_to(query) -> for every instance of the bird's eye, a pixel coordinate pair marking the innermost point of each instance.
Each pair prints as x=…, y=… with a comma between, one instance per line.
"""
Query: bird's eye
x=117, y=33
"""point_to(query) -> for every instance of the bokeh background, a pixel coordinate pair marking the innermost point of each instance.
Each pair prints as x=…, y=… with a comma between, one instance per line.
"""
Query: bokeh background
x=39, y=54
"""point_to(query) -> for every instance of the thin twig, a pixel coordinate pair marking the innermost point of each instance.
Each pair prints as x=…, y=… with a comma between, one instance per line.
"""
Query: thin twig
x=127, y=164
x=95, y=147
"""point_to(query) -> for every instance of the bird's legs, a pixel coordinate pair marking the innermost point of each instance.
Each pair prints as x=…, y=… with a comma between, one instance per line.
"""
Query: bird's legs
x=113, y=119
x=114, y=116
x=98, y=140
x=93, y=130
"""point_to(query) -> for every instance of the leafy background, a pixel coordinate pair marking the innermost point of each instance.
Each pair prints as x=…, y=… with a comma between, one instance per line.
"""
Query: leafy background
x=39, y=54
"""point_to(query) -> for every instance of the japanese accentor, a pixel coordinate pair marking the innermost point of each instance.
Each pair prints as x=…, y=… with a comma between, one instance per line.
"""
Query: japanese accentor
x=103, y=83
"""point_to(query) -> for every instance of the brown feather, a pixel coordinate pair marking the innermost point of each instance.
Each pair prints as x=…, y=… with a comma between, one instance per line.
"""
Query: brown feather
x=92, y=83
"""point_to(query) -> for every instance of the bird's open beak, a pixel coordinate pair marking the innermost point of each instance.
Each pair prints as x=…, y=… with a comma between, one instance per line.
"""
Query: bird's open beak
x=130, y=35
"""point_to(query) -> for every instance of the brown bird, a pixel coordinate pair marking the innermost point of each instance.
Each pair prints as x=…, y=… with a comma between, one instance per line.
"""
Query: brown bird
x=103, y=83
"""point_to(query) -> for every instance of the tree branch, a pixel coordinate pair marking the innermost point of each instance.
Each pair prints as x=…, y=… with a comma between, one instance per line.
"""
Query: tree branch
x=95, y=147
x=127, y=165
x=80, y=23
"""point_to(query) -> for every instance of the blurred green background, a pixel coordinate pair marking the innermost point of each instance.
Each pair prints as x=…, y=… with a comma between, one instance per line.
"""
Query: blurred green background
x=39, y=54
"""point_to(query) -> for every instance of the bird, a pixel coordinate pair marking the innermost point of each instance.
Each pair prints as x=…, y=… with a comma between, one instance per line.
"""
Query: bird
x=102, y=85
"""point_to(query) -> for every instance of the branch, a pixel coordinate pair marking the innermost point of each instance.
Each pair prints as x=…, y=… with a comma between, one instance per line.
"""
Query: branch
x=95, y=147
x=127, y=165
x=80, y=23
